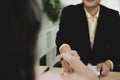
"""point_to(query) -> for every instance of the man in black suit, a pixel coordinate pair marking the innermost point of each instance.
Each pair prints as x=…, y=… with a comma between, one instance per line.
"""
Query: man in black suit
x=93, y=31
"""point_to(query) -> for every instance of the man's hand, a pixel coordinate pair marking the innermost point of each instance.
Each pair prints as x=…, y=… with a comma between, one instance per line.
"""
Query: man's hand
x=66, y=49
x=104, y=67
x=65, y=58
x=66, y=67
x=73, y=64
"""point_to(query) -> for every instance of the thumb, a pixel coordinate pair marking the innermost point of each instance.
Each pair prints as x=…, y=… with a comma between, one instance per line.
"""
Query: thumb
x=99, y=66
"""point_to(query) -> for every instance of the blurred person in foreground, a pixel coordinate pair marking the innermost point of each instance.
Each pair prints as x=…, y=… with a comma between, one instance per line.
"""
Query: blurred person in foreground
x=93, y=31
x=23, y=27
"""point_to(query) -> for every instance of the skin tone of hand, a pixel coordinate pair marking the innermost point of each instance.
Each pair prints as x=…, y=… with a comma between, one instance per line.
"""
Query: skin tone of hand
x=105, y=67
x=65, y=65
x=78, y=66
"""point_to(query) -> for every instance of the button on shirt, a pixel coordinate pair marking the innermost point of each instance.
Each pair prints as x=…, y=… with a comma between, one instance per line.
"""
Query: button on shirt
x=92, y=23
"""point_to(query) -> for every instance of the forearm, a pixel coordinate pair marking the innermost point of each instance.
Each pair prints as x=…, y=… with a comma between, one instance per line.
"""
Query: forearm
x=82, y=70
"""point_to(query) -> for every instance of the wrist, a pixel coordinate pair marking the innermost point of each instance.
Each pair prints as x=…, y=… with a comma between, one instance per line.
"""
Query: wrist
x=64, y=48
x=110, y=64
x=111, y=68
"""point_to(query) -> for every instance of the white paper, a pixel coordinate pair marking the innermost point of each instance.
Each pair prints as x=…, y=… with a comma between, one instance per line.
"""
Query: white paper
x=94, y=69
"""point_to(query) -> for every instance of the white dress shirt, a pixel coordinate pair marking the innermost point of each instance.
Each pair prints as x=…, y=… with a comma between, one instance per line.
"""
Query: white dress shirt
x=92, y=24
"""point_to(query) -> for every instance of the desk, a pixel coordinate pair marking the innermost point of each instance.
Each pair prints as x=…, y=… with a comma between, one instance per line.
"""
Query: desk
x=41, y=69
x=110, y=76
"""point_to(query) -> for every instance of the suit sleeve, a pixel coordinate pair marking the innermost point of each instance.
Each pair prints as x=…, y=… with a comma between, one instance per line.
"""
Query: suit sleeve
x=63, y=33
x=115, y=43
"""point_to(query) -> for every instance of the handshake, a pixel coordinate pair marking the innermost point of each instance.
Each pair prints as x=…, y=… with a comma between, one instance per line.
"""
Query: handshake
x=71, y=64
x=67, y=55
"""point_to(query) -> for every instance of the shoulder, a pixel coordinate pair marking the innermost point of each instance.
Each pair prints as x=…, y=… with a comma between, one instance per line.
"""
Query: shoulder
x=73, y=7
x=109, y=10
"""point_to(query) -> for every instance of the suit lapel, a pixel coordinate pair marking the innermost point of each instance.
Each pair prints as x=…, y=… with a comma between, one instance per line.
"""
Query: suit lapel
x=98, y=28
x=84, y=25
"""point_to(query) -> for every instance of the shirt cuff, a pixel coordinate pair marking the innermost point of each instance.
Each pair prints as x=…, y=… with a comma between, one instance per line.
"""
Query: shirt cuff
x=111, y=64
x=63, y=46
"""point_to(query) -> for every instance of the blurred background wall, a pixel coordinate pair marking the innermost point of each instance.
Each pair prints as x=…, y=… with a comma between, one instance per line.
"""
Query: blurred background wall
x=114, y=4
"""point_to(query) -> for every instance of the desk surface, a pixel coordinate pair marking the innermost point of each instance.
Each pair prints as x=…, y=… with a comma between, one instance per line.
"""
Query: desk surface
x=110, y=76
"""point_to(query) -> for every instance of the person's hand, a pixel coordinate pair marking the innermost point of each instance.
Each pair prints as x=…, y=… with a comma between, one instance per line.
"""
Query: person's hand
x=77, y=66
x=65, y=57
x=66, y=49
x=104, y=67
x=66, y=67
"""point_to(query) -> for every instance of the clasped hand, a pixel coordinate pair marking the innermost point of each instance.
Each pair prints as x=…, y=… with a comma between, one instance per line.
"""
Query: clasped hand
x=71, y=63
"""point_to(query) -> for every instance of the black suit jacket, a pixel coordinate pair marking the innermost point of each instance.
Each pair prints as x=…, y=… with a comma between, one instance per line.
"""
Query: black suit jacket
x=73, y=30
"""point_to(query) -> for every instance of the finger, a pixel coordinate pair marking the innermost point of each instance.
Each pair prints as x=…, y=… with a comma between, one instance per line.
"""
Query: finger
x=105, y=69
x=66, y=67
x=99, y=66
x=60, y=57
x=75, y=54
x=63, y=55
x=66, y=56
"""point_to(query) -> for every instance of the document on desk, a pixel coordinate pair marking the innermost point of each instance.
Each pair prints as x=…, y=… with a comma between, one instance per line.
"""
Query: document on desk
x=94, y=69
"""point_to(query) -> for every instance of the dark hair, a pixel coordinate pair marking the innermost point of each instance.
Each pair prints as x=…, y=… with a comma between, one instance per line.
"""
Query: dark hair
x=22, y=34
